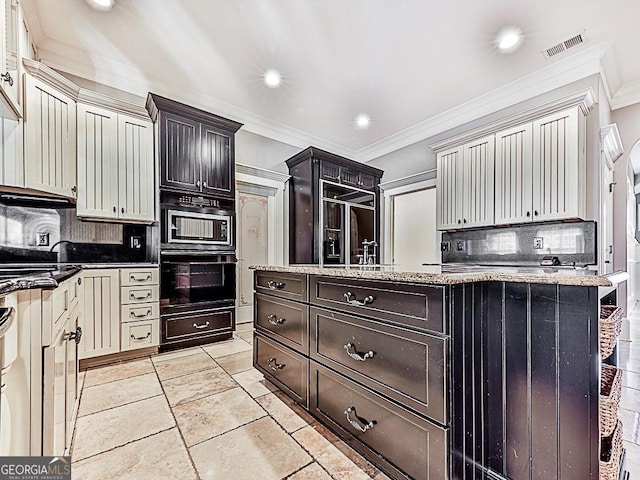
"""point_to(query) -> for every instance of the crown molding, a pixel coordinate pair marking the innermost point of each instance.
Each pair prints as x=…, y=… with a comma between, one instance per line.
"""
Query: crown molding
x=244, y=169
x=583, y=99
x=556, y=75
x=611, y=143
x=52, y=78
x=101, y=100
x=128, y=78
x=627, y=95
x=425, y=176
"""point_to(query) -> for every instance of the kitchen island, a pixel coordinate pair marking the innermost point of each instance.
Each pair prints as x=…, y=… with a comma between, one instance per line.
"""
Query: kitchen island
x=442, y=373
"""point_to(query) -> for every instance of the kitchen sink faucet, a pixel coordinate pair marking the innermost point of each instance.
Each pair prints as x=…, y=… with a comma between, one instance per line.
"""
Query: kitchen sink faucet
x=366, y=258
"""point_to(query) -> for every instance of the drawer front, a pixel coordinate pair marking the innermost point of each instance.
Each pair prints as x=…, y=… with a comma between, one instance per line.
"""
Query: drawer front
x=282, y=366
x=408, y=366
x=60, y=304
x=139, y=276
x=420, y=306
x=408, y=442
x=204, y=323
x=285, y=321
x=141, y=294
x=286, y=285
x=140, y=311
x=141, y=334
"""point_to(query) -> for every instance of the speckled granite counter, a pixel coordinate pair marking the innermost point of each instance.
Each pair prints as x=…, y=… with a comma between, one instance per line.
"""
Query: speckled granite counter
x=451, y=275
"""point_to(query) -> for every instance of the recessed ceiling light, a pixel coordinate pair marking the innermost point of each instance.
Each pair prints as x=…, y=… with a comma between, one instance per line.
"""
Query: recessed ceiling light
x=101, y=5
x=363, y=120
x=272, y=78
x=508, y=39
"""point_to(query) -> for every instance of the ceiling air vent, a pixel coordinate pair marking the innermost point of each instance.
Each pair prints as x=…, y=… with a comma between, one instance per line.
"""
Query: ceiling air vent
x=558, y=48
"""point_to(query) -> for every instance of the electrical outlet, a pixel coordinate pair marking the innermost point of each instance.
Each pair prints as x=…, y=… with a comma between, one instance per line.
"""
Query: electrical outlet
x=42, y=239
x=445, y=246
x=538, y=243
x=461, y=245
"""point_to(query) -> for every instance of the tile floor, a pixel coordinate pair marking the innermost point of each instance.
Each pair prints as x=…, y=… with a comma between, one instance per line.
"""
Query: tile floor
x=202, y=413
x=629, y=361
x=206, y=413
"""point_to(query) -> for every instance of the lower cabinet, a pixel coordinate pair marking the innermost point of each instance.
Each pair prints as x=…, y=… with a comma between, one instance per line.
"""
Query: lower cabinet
x=380, y=386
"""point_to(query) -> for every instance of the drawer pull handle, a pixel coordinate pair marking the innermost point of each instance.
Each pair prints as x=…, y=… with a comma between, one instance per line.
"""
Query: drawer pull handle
x=273, y=320
x=133, y=337
x=358, y=423
x=133, y=296
x=351, y=300
x=275, y=285
x=351, y=351
x=204, y=325
x=132, y=314
x=275, y=366
x=133, y=278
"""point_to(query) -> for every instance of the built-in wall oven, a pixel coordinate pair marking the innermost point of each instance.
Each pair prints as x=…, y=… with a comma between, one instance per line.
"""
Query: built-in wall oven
x=198, y=270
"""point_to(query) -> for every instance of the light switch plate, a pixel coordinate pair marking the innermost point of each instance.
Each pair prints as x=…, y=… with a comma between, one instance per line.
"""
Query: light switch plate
x=538, y=243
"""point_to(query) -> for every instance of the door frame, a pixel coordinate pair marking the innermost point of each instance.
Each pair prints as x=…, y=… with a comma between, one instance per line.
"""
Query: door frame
x=274, y=186
x=412, y=183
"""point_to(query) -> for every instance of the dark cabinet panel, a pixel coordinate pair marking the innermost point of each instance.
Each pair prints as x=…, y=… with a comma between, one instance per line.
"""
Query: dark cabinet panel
x=178, y=152
x=196, y=148
x=287, y=285
x=282, y=366
x=401, y=441
x=217, y=165
x=282, y=320
x=183, y=328
x=408, y=366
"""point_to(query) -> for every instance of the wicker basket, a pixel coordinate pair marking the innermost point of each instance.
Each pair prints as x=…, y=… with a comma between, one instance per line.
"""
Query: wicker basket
x=610, y=391
x=610, y=452
x=609, y=328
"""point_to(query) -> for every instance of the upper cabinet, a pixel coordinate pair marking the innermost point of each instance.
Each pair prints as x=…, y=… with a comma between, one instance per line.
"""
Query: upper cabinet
x=535, y=172
x=115, y=166
x=10, y=22
x=196, y=148
x=465, y=185
x=50, y=138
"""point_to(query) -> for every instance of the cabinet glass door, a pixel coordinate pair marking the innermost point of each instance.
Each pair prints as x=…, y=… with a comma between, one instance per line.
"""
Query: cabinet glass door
x=333, y=232
x=361, y=229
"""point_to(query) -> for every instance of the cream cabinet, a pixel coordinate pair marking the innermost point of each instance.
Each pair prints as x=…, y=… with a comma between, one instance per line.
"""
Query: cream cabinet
x=10, y=23
x=140, y=308
x=101, y=313
x=465, y=193
x=115, y=166
x=541, y=169
x=50, y=139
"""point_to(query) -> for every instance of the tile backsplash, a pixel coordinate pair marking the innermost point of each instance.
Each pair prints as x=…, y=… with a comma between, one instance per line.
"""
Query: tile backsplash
x=571, y=242
x=29, y=234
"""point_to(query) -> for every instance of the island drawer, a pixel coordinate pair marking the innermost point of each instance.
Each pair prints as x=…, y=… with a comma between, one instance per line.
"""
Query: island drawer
x=141, y=294
x=419, y=306
x=139, y=276
x=283, y=320
x=408, y=366
x=288, y=285
x=397, y=438
x=181, y=326
x=140, y=311
x=140, y=334
x=282, y=366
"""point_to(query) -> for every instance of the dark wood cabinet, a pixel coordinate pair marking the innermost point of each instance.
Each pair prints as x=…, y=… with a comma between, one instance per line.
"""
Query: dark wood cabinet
x=196, y=148
x=334, y=205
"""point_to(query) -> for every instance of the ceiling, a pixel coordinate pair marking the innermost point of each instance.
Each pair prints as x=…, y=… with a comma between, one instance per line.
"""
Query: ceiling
x=405, y=63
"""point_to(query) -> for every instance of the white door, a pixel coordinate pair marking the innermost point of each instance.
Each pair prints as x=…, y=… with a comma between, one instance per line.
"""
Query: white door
x=253, y=247
x=416, y=239
x=606, y=221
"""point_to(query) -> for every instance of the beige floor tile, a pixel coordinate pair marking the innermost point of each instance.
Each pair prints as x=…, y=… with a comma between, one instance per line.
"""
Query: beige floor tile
x=281, y=412
x=117, y=371
x=272, y=455
x=254, y=383
x=185, y=352
x=184, y=365
x=113, y=394
x=630, y=398
x=246, y=336
x=311, y=472
x=244, y=327
x=226, y=348
x=216, y=414
x=187, y=388
x=381, y=476
x=630, y=425
x=632, y=460
x=160, y=456
x=236, y=362
x=118, y=426
x=327, y=455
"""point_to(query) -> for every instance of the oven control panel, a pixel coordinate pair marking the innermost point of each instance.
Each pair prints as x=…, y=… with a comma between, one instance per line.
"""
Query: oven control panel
x=191, y=201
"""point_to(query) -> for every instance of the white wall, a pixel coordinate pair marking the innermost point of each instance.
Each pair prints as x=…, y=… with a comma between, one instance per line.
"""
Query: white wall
x=415, y=238
x=263, y=152
x=407, y=161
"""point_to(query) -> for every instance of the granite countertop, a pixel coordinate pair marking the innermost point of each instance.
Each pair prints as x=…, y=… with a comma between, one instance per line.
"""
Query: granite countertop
x=450, y=274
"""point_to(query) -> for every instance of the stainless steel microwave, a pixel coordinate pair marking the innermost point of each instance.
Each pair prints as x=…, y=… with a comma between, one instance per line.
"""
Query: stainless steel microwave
x=185, y=227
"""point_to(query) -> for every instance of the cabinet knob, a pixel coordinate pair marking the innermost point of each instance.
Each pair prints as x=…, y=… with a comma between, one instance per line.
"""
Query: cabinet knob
x=122, y=209
x=198, y=183
x=528, y=213
x=459, y=221
x=464, y=221
x=115, y=209
x=74, y=189
x=535, y=212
